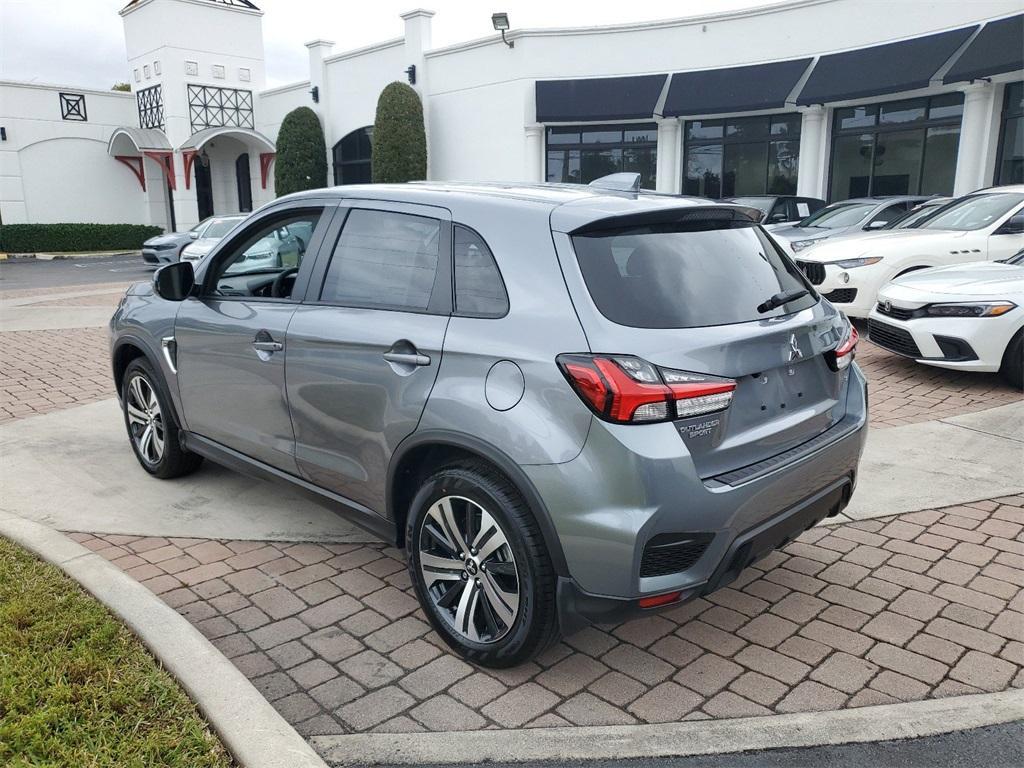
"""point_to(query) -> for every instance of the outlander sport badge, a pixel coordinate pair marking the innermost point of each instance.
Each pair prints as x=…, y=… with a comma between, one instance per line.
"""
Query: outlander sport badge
x=794, y=349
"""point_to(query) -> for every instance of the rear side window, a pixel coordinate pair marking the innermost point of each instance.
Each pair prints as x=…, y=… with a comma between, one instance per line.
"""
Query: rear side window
x=384, y=260
x=686, y=275
x=479, y=290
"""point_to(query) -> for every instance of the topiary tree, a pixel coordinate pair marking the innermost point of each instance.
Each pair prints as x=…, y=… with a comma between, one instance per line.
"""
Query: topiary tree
x=301, y=161
x=399, y=139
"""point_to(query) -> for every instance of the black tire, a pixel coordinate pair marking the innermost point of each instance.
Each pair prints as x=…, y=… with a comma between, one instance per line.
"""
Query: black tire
x=173, y=460
x=535, y=626
x=1012, y=368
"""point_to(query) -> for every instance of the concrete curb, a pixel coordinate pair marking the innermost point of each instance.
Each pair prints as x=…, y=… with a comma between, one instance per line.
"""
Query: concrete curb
x=251, y=729
x=703, y=737
x=59, y=256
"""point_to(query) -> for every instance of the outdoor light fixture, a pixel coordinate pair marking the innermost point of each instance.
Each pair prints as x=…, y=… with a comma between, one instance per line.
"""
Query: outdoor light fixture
x=315, y=93
x=410, y=72
x=500, y=22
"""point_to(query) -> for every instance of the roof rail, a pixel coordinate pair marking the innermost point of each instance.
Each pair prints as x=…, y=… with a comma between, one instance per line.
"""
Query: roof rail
x=619, y=182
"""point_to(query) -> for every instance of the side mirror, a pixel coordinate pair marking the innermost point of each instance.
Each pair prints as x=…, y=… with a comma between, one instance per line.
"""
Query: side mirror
x=777, y=218
x=174, y=282
x=876, y=224
x=194, y=235
x=1012, y=226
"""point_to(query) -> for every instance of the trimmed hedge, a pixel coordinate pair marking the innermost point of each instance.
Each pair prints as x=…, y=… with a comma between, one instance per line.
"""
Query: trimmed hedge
x=399, y=140
x=43, y=238
x=301, y=161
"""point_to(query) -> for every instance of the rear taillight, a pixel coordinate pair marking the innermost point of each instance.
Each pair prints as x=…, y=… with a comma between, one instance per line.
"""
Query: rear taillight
x=628, y=390
x=843, y=355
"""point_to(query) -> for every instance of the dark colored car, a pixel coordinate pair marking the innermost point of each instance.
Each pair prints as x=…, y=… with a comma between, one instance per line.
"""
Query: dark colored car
x=780, y=209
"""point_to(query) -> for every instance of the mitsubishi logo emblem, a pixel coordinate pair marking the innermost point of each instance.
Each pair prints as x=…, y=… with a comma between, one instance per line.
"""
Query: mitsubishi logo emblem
x=794, y=349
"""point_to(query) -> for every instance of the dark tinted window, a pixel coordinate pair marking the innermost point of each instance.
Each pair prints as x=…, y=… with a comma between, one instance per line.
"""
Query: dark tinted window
x=686, y=275
x=383, y=259
x=479, y=290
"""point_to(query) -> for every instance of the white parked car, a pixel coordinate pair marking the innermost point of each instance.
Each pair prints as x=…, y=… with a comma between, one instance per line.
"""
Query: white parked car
x=215, y=230
x=985, y=225
x=968, y=317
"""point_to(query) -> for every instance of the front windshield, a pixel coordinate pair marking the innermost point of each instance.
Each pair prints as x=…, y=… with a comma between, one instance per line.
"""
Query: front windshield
x=219, y=227
x=913, y=219
x=763, y=204
x=1017, y=258
x=974, y=212
x=838, y=215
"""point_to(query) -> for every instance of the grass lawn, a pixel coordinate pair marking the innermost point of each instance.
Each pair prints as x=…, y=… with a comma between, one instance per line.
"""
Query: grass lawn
x=78, y=689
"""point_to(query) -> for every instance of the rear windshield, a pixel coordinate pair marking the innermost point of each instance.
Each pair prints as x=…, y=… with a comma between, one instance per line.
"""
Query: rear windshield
x=687, y=275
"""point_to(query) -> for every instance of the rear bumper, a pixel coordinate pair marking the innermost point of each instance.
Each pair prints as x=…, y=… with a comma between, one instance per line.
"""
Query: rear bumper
x=627, y=487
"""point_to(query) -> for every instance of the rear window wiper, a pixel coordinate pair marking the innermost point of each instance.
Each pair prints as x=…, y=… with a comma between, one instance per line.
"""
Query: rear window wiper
x=782, y=298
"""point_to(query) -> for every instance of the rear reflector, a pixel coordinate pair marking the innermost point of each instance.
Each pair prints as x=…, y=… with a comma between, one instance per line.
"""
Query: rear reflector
x=628, y=390
x=658, y=600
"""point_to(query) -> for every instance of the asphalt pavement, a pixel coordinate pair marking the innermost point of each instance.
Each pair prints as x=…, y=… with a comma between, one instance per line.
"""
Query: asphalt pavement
x=36, y=273
x=993, y=747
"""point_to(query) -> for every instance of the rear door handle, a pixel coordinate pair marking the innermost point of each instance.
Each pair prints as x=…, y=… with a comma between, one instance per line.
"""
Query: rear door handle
x=406, y=358
x=267, y=346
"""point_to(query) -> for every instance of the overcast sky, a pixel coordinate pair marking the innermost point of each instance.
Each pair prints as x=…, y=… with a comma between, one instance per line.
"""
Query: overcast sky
x=81, y=42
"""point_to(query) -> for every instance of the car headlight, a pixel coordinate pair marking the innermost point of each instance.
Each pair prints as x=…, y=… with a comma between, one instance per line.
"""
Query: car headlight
x=853, y=263
x=970, y=309
x=799, y=245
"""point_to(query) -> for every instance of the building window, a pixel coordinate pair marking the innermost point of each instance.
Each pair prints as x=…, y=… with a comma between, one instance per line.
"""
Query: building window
x=896, y=148
x=1011, y=137
x=151, y=107
x=191, y=67
x=72, y=107
x=210, y=107
x=742, y=156
x=352, y=157
x=579, y=154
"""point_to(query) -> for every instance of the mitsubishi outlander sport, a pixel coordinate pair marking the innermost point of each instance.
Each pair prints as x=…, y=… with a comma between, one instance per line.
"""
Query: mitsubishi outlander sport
x=568, y=404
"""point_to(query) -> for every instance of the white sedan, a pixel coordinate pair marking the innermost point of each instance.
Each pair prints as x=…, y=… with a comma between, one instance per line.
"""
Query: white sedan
x=968, y=317
x=985, y=225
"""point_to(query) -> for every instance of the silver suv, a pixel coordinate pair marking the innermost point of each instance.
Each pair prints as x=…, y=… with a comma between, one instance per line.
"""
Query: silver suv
x=568, y=404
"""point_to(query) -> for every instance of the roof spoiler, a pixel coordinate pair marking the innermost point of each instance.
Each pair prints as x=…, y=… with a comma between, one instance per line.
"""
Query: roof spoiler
x=618, y=182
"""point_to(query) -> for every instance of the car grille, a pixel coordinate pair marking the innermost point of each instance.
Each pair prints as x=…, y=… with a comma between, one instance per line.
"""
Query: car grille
x=841, y=295
x=897, y=312
x=894, y=339
x=815, y=271
x=672, y=553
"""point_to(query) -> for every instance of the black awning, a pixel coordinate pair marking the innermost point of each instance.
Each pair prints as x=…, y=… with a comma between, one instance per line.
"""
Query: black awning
x=602, y=98
x=881, y=69
x=998, y=48
x=735, y=89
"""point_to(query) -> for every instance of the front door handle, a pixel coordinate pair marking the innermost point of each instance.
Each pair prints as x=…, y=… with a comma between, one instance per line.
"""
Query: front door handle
x=406, y=358
x=267, y=346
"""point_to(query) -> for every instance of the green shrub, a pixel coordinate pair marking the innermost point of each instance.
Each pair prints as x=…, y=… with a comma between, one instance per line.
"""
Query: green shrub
x=399, y=139
x=42, y=238
x=301, y=161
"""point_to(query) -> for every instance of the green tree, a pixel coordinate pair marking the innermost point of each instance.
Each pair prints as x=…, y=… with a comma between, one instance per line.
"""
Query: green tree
x=301, y=161
x=399, y=139
x=121, y=87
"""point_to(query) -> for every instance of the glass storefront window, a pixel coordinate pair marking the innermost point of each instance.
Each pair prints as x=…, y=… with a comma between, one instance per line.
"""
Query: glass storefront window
x=580, y=154
x=742, y=156
x=1011, y=137
x=897, y=148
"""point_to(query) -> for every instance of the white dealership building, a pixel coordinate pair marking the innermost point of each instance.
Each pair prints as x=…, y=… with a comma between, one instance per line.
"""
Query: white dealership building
x=823, y=98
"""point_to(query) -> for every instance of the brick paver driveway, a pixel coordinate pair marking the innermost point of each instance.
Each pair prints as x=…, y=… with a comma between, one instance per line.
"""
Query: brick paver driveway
x=925, y=604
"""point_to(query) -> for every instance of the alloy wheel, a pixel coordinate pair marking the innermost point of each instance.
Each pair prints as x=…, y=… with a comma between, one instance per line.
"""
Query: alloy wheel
x=145, y=419
x=468, y=569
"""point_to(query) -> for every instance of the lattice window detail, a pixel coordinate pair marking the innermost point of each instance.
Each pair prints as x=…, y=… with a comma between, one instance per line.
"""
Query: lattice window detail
x=210, y=107
x=151, y=107
x=72, y=107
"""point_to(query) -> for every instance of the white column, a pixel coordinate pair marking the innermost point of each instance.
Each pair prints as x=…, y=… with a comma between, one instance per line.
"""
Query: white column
x=418, y=42
x=975, y=138
x=186, y=201
x=534, y=165
x=812, y=169
x=668, y=169
x=318, y=51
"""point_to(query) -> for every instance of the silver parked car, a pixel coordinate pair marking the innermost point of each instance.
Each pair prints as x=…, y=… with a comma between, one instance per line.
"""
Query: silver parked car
x=167, y=248
x=567, y=403
x=213, y=231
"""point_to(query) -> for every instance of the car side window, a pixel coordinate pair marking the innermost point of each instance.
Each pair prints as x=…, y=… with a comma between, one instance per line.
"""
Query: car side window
x=251, y=264
x=479, y=289
x=384, y=260
x=889, y=213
